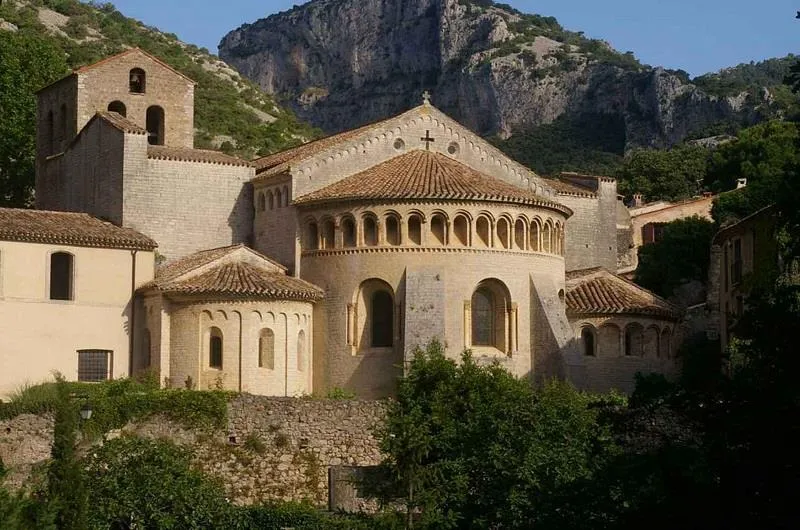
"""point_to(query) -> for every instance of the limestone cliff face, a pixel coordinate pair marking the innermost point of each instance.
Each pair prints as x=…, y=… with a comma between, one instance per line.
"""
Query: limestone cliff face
x=343, y=63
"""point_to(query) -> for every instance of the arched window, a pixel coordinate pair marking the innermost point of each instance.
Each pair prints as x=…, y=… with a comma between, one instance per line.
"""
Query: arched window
x=118, y=107
x=261, y=202
x=535, y=237
x=650, y=346
x=461, y=230
x=348, y=232
x=328, y=234
x=503, y=240
x=665, y=344
x=215, y=348
x=392, y=230
x=266, y=349
x=61, y=276
x=382, y=319
x=285, y=196
x=587, y=338
x=482, y=227
x=634, y=340
x=370, y=231
x=438, y=229
x=301, y=351
x=547, y=234
x=519, y=234
x=312, y=236
x=483, y=317
x=490, y=316
x=154, y=121
x=137, y=81
x=270, y=200
x=415, y=229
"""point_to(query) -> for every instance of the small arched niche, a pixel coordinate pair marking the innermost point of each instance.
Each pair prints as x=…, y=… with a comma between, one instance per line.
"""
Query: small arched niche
x=461, y=230
x=370, y=231
x=519, y=234
x=137, y=81
x=392, y=230
x=439, y=229
x=348, y=232
x=415, y=229
x=155, y=125
x=484, y=231
x=118, y=107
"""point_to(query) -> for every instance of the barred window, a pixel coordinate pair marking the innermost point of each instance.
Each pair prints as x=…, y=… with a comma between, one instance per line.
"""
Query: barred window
x=94, y=365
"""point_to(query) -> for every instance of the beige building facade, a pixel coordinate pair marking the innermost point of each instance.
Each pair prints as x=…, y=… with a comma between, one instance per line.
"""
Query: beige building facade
x=331, y=262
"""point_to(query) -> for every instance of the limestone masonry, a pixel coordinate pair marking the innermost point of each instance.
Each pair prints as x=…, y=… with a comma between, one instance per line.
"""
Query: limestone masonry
x=318, y=268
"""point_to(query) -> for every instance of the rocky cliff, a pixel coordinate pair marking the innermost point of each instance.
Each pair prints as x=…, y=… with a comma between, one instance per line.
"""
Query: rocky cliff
x=342, y=63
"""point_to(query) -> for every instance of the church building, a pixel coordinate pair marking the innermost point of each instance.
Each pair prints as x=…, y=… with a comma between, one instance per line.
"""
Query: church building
x=324, y=266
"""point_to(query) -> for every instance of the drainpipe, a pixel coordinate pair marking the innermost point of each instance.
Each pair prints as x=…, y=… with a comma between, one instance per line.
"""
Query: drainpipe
x=133, y=313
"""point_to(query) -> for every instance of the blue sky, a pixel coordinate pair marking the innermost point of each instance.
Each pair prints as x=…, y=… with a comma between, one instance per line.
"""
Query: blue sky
x=696, y=35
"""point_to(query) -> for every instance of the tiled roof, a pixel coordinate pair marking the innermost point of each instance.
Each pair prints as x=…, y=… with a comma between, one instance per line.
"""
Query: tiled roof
x=120, y=122
x=567, y=188
x=67, y=228
x=425, y=175
x=182, y=154
x=279, y=162
x=597, y=291
x=235, y=271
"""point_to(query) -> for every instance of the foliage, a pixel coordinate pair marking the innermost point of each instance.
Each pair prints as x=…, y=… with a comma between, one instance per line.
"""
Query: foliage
x=765, y=155
x=746, y=76
x=305, y=517
x=27, y=63
x=472, y=446
x=65, y=485
x=660, y=271
x=670, y=174
x=118, y=402
x=135, y=483
x=590, y=143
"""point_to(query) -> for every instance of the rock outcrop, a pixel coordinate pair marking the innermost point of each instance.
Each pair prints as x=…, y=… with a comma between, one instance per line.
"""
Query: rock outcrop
x=343, y=63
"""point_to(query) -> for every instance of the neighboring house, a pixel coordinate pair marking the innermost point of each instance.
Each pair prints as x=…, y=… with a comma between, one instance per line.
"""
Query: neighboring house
x=367, y=243
x=66, y=292
x=647, y=220
x=743, y=256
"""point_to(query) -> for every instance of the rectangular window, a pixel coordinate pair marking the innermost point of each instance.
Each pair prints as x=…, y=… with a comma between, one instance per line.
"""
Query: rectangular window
x=95, y=365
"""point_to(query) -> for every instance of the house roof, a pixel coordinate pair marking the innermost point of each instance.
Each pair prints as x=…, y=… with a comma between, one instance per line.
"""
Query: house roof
x=563, y=187
x=120, y=122
x=425, y=175
x=726, y=232
x=599, y=292
x=67, y=228
x=183, y=154
x=235, y=271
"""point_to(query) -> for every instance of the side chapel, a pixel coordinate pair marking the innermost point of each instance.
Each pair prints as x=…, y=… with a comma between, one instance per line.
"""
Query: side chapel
x=325, y=265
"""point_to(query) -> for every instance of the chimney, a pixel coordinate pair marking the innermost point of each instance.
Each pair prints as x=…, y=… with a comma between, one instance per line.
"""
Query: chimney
x=741, y=183
x=638, y=200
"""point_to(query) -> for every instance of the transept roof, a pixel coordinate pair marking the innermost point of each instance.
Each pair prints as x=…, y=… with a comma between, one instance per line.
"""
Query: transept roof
x=425, y=175
x=597, y=291
x=235, y=271
x=68, y=228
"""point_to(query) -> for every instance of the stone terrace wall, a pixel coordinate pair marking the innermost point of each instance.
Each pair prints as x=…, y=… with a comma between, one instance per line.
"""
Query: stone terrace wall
x=274, y=448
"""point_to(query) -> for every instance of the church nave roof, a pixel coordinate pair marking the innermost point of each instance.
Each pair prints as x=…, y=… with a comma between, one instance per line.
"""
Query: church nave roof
x=425, y=175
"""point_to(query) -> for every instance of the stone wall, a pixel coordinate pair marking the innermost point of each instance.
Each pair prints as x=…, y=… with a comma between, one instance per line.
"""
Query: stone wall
x=274, y=449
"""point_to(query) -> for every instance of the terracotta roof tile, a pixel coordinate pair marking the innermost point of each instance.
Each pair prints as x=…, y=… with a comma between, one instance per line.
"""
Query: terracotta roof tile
x=182, y=154
x=425, y=175
x=597, y=291
x=567, y=188
x=235, y=271
x=67, y=228
x=120, y=122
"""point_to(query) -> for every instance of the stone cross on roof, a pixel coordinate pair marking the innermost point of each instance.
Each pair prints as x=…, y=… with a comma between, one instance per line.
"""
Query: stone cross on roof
x=426, y=98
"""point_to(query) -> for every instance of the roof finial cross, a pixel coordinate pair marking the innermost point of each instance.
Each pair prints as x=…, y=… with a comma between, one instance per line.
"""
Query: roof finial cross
x=428, y=140
x=426, y=98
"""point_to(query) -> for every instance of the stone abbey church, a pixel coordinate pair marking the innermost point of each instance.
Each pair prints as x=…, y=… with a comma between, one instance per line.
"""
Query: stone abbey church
x=319, y=267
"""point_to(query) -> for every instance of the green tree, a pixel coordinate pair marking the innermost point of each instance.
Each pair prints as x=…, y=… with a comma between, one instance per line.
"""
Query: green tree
x=765, y=155
x=65, y=488
x=27, y=63
x=660, y=271
x=664, y=174
x=471, y=446
x=137, y=483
